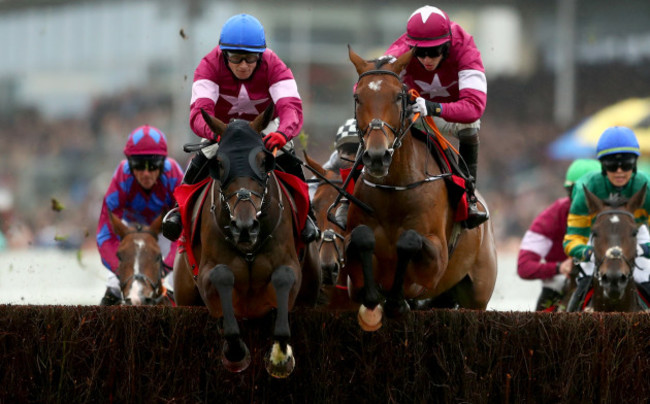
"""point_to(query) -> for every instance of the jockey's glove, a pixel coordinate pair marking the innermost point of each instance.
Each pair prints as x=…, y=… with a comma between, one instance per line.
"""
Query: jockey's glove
x=275, y=140
x=426, y=107
x=643, y=250
x=587, y=253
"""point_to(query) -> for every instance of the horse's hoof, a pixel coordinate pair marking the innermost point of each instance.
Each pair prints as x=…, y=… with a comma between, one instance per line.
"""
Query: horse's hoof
x=370, y=320
x=280, y=364
x=396, y=309
x=235, y=366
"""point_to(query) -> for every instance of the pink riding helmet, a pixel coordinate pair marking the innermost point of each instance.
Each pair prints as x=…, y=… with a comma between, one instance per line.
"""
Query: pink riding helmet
x=147, y=140
x=428, y=27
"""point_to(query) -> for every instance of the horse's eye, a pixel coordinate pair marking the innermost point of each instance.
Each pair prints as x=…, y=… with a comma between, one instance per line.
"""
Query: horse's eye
x=356, y=99
x=594, y=234
x=634, y=233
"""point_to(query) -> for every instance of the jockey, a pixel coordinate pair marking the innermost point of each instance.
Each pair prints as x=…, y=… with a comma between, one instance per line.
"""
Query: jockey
x=541, y=255
x=617, y=150
x=447, y=72
x=346, y=145
x=142, y=188
x=239, y=79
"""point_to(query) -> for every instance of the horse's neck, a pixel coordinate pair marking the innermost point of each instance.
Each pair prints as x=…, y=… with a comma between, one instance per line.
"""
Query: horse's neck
x=412, y=161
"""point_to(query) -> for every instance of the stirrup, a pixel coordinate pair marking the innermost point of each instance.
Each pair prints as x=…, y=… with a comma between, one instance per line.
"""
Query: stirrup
x=172, y=225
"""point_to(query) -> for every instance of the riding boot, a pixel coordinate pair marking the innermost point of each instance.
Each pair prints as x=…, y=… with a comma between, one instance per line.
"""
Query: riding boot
x=548, y=298
x=644, y=288
x=112, y=297
x=469, y=143
x=578, y=297
x=172, y=225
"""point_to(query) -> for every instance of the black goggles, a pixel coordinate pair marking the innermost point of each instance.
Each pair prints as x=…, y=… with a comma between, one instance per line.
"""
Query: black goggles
x=149, y=164
x=237, y=58
x=433, y=52
x=612, y=165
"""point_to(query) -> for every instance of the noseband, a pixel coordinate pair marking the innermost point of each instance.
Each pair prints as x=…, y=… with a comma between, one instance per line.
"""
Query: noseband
x=615, y=252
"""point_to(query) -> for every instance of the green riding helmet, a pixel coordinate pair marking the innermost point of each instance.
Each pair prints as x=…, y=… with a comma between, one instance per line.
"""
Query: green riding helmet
x=579, y=168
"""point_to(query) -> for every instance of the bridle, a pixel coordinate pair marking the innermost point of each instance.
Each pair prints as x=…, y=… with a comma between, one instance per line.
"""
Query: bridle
x=615, y=252
x=244, y=195
x=378, y=124
x=139, y=277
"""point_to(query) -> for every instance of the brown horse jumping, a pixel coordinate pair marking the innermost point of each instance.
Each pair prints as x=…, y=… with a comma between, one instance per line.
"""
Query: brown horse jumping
x=402, y=249
x=613, y=236
x=141, y=264
x=248, y=264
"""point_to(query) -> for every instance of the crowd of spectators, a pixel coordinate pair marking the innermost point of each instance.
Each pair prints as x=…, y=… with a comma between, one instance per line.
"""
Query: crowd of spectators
x=53, y=172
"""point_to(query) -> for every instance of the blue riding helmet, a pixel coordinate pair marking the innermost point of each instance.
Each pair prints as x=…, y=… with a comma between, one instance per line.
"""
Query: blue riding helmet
x=243, y=32
x=617, y=140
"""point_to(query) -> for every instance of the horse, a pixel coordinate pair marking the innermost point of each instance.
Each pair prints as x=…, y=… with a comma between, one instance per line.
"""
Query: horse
x=613, y=236
x=141, y=268
x=247, y=259
x=331, y=244
x=406, y=249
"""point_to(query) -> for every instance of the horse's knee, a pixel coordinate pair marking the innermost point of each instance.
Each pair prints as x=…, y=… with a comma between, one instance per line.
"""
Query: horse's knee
x=409, y=242
x=362, y=238
x=221, y=276
x=283, y=278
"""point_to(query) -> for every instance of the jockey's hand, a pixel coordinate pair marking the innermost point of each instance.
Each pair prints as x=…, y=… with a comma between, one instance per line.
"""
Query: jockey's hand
x=275, y=140
x=643, y=250
x=425, y=107
x=587, y=253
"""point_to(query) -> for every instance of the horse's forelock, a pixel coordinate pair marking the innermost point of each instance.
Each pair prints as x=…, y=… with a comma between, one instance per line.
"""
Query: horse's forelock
x=615, y=201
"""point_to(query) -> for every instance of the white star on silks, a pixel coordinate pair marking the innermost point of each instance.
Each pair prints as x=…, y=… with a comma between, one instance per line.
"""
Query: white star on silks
x=435, y=89
x=243, y=103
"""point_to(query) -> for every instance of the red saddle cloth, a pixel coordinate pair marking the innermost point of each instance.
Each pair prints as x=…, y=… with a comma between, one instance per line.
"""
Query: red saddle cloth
x=186, y=194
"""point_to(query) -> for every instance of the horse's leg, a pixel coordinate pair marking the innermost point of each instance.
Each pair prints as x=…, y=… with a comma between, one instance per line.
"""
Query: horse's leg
x=280, y=360
x=408, y=245
x=235, y=355
x=361, y=247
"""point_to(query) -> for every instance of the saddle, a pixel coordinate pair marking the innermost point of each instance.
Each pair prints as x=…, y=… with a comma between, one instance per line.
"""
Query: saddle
x=192, y=197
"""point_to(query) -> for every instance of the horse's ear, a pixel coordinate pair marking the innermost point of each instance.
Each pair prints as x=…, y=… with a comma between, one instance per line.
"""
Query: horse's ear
x=637, y=200
x=217, y=126
x=403, y=61
x=359, y=63
x=118, y=227
x=313, y=164
x=262, y=120
x=156, y=225
x=594, y=203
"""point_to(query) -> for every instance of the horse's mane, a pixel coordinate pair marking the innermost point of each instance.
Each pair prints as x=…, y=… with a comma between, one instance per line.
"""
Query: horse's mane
x=615, y=201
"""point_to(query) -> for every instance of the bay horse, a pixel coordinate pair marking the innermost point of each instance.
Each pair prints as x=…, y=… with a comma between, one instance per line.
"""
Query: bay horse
x=404, y=248
x=247, y=261
x=613, y=236
x=141, y=269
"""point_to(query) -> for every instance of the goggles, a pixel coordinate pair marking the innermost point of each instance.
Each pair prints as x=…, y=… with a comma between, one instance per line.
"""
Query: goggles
x=433, y=52
x=149, y=164
x=237, y=58
x=612, y=165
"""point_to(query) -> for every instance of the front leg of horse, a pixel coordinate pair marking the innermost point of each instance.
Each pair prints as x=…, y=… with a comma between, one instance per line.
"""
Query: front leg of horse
x=235, y=355
x=280, y=361
x=408, y=245
x=361, y=247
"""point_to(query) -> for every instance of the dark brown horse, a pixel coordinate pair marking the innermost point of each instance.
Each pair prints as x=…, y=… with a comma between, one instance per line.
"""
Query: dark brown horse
x=141, y=264
x=613, y=235
x=248, y=264
x=402, y=250
x=331, y=248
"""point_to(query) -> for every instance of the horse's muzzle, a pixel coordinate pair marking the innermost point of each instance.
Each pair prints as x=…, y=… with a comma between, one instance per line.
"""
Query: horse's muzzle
x=245, y=231
x=377, y=161
x=614, y=284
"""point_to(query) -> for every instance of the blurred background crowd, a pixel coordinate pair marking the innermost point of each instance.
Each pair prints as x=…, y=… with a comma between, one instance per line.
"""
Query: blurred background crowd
x=78, y=76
